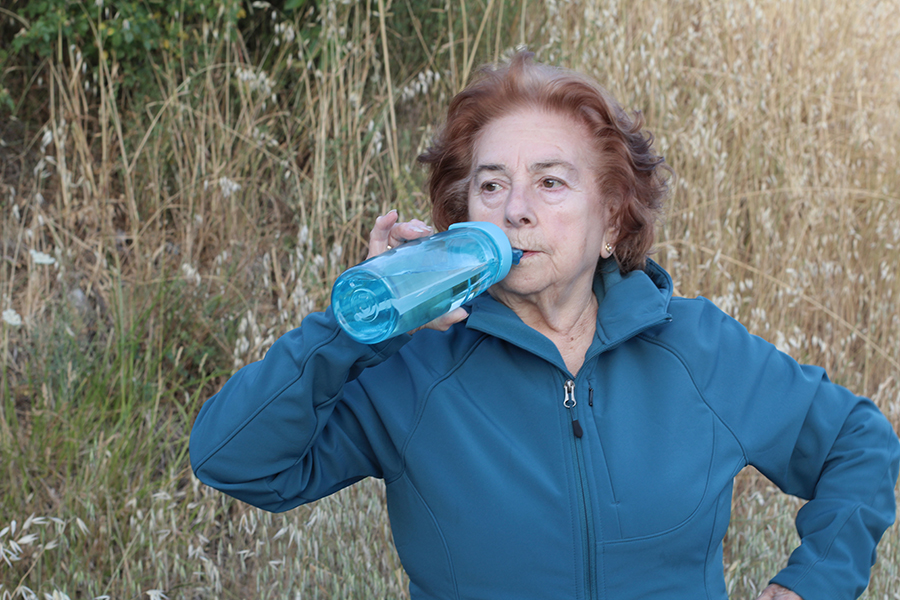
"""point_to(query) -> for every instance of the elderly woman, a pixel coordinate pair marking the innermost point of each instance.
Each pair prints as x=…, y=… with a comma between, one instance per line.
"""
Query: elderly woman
x=575, y=432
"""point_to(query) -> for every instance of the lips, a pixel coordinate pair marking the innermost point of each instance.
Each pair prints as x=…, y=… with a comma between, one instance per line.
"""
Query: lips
x=526, y=250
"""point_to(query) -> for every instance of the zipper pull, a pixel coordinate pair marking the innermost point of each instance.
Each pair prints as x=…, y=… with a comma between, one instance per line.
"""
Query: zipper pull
x=569, y=387
x=569, y=402
x=576, y=428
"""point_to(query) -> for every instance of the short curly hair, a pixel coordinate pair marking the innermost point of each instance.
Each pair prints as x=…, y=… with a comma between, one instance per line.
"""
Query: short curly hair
x=632, y=178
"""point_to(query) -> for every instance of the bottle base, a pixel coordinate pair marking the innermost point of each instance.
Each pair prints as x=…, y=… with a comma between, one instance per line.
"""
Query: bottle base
x=363, y=307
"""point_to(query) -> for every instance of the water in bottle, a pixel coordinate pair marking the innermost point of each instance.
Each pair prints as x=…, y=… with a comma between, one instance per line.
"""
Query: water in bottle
x=420, y=280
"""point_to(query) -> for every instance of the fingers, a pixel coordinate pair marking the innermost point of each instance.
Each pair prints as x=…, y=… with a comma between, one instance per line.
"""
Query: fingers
x=403, y=232
x=381, y=231
x=445, y=322
x=388, y=233
x=777, y=592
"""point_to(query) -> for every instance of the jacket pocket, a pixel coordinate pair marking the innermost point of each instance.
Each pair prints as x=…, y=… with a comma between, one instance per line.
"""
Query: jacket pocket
x=657, y=439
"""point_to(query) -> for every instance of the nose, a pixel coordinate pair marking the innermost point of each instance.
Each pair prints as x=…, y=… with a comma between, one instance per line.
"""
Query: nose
x=519, y=209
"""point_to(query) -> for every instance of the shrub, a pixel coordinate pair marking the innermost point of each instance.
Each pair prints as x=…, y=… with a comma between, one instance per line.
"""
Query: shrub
x=131, y=35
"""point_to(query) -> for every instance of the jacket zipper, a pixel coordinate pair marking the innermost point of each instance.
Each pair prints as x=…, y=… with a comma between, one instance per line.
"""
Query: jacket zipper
x=587, y=531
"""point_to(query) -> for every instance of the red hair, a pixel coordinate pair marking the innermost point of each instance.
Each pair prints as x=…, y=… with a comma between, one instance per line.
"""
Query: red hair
x=631, y=177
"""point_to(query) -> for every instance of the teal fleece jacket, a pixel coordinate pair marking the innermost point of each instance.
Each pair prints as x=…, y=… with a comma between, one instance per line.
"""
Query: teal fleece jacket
x=508, y=477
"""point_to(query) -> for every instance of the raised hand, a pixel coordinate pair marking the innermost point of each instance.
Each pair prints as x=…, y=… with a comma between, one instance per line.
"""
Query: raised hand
x=386, y=234
x=777, y=592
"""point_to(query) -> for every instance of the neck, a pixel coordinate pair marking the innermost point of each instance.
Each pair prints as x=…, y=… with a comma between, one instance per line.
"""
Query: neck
x=569, y=321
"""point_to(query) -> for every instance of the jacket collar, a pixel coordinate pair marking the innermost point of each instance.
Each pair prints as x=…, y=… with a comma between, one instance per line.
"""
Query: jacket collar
x=628, y=305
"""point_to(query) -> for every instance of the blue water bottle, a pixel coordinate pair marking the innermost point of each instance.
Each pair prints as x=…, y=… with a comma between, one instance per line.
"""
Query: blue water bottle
x=420, y=280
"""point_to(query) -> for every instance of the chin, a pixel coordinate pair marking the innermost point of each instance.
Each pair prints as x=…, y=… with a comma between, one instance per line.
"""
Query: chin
x=519, y=285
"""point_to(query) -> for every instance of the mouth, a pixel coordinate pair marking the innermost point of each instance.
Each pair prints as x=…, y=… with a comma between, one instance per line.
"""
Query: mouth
x=520, y=254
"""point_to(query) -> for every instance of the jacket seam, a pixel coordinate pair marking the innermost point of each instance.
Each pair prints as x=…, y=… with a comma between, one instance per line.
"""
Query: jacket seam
x=809, y=568
x=331, y=399
x=426, y=398
x=699, y=390
x=711, y=545
x=263, y=405
x=408, y=440
x=856, y=507
x=685, y=521
x=440, y=533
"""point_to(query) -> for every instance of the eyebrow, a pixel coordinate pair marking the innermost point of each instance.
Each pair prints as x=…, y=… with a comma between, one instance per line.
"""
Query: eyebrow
x=489, y=167
x=550, y=164
x=534, y=167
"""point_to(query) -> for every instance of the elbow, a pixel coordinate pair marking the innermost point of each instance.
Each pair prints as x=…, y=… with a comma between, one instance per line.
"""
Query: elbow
x=894, y=452
x=234, y=478
x=885, y=498
x=257, y=493
x=211, y=466
x=199, y=453
x=891, y=450
x=202, y=469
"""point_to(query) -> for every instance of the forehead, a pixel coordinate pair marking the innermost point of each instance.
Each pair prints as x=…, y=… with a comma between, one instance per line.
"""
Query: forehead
x=534, y=137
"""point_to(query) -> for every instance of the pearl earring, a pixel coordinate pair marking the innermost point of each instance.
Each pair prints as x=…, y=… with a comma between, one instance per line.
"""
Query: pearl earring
x=609, y=248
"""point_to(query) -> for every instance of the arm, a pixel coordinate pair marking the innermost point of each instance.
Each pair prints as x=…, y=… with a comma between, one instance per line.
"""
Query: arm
x=812, y=438
x=283, y=431
x=851, y=492
x=293, y=427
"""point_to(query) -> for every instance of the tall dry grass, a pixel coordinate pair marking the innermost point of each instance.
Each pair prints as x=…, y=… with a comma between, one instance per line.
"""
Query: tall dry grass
x=149, y=250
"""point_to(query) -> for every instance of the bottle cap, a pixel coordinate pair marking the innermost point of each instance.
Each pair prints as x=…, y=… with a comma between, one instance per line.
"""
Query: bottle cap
x=498, y=238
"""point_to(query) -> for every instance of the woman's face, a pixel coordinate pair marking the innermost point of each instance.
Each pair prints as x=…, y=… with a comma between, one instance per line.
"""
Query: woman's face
x=534, y=175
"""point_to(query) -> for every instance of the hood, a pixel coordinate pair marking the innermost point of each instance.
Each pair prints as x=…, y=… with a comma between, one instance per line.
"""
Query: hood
x=632, y=302
x=628, y=305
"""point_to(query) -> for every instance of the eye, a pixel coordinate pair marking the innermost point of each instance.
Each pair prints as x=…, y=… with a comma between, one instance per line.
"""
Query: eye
x=551, y=183
x=490, y=186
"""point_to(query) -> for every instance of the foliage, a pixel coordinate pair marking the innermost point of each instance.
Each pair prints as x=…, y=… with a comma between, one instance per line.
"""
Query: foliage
x=6, y=99
x=128, y=36
x=147, y=252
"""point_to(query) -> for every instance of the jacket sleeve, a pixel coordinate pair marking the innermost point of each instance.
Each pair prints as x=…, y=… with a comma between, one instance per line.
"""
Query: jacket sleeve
x=285, y=430
x=813, y=439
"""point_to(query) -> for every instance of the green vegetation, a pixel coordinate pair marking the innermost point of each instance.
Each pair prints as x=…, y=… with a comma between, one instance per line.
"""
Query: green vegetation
x=173, y=203
x=128, y=38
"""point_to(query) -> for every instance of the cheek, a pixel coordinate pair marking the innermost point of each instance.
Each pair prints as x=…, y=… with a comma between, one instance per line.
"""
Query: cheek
x=482, y=207
x=579, y=235
x=472, y=208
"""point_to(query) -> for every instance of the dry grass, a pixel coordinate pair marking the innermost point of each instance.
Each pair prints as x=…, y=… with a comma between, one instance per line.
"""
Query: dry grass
x=150, y=252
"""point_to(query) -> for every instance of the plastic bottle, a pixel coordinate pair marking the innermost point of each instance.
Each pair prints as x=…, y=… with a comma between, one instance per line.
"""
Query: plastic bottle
x=420, y=280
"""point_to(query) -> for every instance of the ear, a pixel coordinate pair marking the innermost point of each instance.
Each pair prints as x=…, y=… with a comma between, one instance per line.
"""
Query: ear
x=610, y=237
